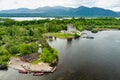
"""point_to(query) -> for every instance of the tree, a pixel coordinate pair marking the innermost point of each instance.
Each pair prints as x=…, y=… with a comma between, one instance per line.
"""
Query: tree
x=34, y=47
x=25, y=49
x=4, y=56
x=0, y=38
x=4, y=51
x=31, y=33
x=48, y=55
x=14, y=49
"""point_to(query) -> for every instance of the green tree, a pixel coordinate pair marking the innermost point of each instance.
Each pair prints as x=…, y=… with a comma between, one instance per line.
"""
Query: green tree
x=14, y=49
x=31, y=33
x=34, y=47
x=0, y=38
x=4, y=56
x=25, y=49
x=48, y=55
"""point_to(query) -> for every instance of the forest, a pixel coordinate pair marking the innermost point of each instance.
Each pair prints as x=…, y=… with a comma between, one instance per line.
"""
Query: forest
x=19, y=37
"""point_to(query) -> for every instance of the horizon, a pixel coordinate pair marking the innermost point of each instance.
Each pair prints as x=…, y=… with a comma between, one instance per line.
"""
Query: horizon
x=59, y=6
x=31, y=4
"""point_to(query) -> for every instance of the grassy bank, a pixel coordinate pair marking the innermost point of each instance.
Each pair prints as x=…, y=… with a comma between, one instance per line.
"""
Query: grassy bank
x=59, y=35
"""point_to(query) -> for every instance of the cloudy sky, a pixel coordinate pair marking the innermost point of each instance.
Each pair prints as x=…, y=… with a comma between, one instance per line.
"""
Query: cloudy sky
x=14, y=4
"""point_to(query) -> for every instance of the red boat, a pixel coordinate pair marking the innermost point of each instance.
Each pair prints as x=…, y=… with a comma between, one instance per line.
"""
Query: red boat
x=23, y=71
x=54, y=69
x=37, y=71
x=38, y=74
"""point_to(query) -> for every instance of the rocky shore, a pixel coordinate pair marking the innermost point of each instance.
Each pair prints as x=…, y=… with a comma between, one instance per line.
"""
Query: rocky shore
x=17, y=64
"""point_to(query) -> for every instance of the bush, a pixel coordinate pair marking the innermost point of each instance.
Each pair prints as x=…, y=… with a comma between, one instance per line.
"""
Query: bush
x=14, y=49
x=94, y=30
x=4, y=56
x=0, y=43
x=4, y=51
x=0, y=37
x=25, y=49
x=34, y=47
x=48, y=56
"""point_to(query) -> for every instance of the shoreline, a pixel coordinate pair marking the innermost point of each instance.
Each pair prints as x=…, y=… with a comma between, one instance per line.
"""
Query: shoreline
x=17, y=64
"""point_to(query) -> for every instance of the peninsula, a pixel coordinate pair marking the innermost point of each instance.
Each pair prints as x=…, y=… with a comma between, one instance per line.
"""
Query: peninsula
x=23, y=44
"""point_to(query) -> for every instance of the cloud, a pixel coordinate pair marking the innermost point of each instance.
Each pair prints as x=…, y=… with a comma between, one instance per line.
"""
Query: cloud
x=13, y=4
x=109, y=4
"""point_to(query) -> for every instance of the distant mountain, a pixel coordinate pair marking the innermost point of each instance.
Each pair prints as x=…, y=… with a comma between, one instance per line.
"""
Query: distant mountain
x=20, y=10
x=61, y=11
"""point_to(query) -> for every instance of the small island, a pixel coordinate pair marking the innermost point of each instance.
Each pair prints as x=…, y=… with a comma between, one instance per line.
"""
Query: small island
x=23, y=44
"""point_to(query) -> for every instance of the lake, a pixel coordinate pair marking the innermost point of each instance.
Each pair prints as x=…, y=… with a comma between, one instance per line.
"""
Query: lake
x=29, y=18
x=35, y=18
x=81, y=59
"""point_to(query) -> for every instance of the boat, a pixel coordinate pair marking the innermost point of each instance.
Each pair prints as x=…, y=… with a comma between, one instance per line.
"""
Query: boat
x=23, y=71
x=38, y=74
x=89, y=37
x=54, y=69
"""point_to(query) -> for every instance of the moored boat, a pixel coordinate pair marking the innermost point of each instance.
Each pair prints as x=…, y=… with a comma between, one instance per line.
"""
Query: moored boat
x=23, y=71
x=90, y=37
x=54, y=69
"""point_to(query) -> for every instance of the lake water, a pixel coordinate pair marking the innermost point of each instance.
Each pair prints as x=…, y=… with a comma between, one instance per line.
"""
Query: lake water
x=81, y=59
x=28, y=18
x=34, y=18
x=43, y=18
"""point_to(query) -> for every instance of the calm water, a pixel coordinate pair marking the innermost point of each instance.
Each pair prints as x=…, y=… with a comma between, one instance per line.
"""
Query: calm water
x=82, y=59
x=34, y=18
x=29, y=18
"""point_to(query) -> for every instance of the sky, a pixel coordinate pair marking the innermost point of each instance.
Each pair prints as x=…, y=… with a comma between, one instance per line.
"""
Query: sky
x=14, y=4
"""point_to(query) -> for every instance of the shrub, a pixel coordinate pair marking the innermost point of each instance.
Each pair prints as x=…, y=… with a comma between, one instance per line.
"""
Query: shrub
x=25, y=48
x=48, y=55
x=94, y=30
x=4, y=56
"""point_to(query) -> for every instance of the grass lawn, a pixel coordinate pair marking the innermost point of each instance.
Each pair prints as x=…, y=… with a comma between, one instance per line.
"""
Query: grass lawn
x=36, y=61
x=59, y=35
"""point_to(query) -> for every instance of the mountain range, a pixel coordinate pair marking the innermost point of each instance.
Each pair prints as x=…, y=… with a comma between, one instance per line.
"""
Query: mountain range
x=59, y=11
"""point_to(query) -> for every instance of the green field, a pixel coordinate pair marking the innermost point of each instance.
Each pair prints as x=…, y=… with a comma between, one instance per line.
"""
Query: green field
x=59, y=35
